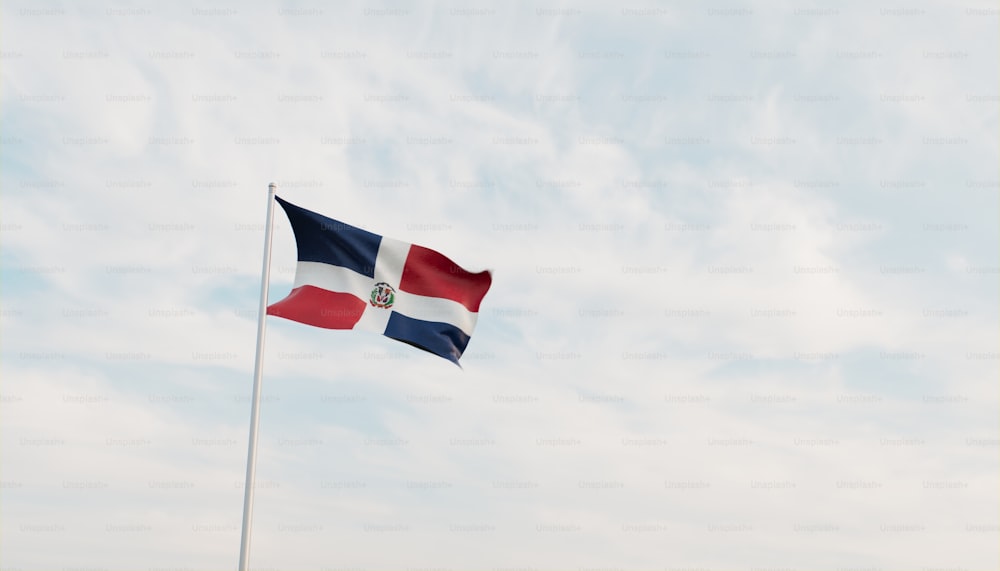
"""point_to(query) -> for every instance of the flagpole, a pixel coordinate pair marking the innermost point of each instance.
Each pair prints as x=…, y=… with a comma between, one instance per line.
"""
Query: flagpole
x=257, y=374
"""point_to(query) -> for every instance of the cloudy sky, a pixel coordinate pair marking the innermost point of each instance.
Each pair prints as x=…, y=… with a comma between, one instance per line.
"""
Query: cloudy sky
x=744, y=307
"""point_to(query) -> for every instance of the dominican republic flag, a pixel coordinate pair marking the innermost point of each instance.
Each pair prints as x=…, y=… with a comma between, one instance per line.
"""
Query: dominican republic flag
x=349, y=278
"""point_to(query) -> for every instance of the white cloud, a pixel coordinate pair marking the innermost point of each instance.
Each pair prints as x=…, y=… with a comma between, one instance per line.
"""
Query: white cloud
x=711, y=320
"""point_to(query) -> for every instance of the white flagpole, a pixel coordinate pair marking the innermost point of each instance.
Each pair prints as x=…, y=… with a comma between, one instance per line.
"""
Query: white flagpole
x=257, y=374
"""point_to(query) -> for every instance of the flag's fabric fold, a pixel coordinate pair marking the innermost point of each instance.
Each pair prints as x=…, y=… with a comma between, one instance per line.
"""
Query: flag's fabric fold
x=349, y=278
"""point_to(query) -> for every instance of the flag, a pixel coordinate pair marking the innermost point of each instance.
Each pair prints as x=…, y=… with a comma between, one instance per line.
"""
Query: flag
x=349, y=278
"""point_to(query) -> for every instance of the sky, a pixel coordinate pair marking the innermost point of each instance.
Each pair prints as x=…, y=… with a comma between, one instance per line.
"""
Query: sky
x=743, y=315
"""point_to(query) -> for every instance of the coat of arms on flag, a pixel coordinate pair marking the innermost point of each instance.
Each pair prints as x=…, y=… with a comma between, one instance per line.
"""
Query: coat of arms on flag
x=349, y=278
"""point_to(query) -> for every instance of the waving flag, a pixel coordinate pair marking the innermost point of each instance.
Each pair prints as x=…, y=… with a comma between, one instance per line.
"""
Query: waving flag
x=349, y=278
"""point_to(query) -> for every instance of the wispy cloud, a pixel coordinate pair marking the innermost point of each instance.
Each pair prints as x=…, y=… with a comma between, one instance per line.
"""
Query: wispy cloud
x=745, y=275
